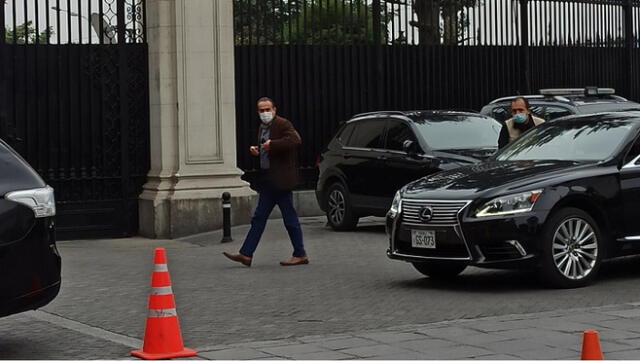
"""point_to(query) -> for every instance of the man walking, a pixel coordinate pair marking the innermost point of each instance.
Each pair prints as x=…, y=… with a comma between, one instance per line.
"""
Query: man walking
x=278, y=141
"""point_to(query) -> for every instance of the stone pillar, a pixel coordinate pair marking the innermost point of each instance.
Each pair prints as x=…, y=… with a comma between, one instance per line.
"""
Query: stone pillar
x=193, y=139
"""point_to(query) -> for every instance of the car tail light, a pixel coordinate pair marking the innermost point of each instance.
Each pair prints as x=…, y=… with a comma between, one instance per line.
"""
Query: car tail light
x=318, y=160
x=40, y=200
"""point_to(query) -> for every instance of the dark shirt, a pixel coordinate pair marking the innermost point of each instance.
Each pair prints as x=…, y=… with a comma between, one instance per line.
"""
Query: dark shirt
x=264, y=155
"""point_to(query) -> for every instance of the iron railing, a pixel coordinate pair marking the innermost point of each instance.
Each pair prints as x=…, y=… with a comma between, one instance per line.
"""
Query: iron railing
x=72, y=21
x=435, y=22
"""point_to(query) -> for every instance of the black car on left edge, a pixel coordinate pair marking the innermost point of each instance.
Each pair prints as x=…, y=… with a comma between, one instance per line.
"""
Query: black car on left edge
x=29, y=259
x=375, y=154
x=561, y=198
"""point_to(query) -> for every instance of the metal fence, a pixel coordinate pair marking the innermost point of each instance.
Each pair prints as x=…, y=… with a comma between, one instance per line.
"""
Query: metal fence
x=434, y=22
x=326, y=60
x=40, y=22
x=75, y=104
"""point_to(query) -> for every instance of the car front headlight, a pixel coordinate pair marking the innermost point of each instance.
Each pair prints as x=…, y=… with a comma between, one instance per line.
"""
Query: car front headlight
x=512, y=204
x=40, y=200
x=395, y=205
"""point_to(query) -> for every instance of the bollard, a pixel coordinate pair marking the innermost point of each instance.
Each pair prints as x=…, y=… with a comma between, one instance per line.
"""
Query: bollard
x=226, y=217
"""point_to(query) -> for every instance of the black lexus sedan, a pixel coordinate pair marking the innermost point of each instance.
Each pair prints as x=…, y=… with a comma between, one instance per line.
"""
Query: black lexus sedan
x=29, y=260
x=561, y=198
x=375, y=154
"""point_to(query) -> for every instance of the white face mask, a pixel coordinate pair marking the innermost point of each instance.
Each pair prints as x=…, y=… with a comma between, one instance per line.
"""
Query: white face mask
x=266, y=117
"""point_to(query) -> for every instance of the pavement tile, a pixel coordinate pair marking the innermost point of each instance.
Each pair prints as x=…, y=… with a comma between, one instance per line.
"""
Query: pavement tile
x=455, y=352
x=491, y=326
x=631, y=313
x=547, y=352
x=292, y=349
x=448, y=332
x=345, y=343
x=616, y=335
x=589, y=317
x=514, y=346
x=374, y=351
x=496, y=357
x=324, y=355
x=622, y=355
x=425, y=345
x=622, y=324
x=480, y=339
x=273, y=343
x=321, y=338
x=391, y=337
x=234, y=354
x=401, y=356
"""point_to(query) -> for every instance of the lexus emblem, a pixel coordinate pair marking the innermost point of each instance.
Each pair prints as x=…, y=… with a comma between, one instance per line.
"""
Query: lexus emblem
x=426, y=214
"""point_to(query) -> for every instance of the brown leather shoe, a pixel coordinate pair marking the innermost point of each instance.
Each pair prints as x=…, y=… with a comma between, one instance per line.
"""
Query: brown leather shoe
x=294, y=261
x=238, y=257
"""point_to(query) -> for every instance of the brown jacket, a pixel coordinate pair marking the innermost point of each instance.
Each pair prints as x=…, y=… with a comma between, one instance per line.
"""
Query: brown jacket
x=283, y=153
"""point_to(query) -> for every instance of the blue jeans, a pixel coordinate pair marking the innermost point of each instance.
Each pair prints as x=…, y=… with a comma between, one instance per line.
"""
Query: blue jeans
x=269, y=197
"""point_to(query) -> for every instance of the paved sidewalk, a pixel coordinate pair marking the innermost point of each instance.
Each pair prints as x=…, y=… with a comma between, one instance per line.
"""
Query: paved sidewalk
x=546, y=335
x=351, y=302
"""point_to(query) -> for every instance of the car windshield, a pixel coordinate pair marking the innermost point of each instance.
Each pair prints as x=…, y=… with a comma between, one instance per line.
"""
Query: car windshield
x=578, y=140
x=455, y=131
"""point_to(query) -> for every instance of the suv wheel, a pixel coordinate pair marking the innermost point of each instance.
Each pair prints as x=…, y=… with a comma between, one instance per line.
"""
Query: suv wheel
x=339, y=209
x=439, y=270
x=572, y=249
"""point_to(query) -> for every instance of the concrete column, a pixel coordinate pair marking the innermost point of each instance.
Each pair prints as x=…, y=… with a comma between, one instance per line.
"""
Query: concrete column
x=193, y=127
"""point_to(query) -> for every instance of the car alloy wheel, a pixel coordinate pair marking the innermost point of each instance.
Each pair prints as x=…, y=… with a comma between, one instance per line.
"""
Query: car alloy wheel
x=572, y=248
x=337, y=206
x=575, y=248
x=339, y=210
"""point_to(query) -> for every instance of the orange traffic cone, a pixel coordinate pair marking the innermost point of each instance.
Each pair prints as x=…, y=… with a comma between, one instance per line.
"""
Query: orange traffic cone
x=162, y=337
x=591, y=346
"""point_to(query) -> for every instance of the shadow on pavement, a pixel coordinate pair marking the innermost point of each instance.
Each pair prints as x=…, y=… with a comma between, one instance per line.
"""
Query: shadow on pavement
x=506, y=281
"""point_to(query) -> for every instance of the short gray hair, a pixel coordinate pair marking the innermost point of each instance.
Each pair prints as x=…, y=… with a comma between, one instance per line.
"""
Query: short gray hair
x=266, y=99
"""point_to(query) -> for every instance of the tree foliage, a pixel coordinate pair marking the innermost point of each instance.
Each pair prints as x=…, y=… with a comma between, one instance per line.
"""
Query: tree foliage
x=330, y=22
x=325, y=22
x=26, y=33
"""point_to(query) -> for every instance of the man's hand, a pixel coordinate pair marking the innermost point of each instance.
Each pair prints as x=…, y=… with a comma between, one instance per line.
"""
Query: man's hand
x=254, y=151
x=266, y=145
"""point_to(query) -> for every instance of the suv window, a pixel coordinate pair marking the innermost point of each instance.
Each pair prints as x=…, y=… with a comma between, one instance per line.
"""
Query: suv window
x=552, y=112
x=633, y=153
x=397, y=133
x=546, y=112
x=345, y=134
x=367, y=134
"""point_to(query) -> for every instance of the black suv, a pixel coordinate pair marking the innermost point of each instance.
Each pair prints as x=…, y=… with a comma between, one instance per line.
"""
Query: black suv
x=375, y=154
x=29, y=260
x=556, y=103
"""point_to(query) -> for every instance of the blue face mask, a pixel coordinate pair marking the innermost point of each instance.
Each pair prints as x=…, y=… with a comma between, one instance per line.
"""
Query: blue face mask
x=520, y=118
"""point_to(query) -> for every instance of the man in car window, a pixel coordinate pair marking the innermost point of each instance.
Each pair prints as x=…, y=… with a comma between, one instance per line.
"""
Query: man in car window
x=521, y=121
x=277, y=152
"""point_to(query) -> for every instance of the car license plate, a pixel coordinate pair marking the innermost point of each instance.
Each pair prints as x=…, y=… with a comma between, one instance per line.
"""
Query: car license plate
x=423, y=239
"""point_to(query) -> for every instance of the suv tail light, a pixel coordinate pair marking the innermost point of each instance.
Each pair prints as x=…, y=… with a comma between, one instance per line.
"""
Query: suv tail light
x=40, y=200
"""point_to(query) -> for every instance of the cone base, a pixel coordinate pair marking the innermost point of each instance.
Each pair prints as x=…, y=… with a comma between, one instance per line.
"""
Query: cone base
x=186, y=352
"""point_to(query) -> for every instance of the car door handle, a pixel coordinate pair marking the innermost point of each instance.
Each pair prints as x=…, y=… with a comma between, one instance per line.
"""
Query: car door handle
x=382, y=157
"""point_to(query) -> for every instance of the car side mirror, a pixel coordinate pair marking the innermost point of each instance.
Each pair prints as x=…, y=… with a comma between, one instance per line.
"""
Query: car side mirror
x=410, y=147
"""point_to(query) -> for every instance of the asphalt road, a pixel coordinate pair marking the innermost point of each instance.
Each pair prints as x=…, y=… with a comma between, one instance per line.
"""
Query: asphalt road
x=349, y=286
